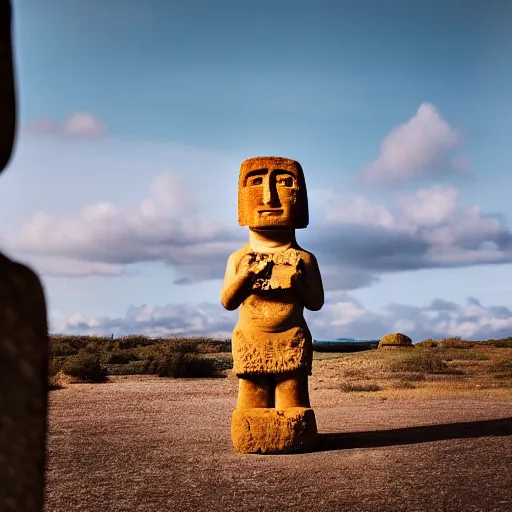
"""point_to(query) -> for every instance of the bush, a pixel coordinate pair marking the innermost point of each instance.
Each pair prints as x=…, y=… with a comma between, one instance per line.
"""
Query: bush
x=430, y=343
x=454, y=343
x=184, y=346
x=222, y=363
x=211, y=346
x=127, y=342
x=348, y=387
x=85, y=366
x=55, y=365
x=119, y=357
x=420, y=362
x=502, y=369
x=60, y=348
x=403, y=384
x=179, y=364
x=504, y=343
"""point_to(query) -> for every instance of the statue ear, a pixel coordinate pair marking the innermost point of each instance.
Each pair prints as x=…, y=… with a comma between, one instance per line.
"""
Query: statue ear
x=7, y=93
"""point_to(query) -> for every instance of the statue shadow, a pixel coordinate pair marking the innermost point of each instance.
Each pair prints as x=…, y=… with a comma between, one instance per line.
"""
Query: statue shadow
x=413, y=435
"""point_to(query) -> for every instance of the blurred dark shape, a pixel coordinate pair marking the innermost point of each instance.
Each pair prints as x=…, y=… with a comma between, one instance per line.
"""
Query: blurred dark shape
x=23, y=339
x=7, y=92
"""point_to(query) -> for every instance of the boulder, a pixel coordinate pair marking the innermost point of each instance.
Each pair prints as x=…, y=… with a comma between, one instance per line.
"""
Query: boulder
x=395, y=340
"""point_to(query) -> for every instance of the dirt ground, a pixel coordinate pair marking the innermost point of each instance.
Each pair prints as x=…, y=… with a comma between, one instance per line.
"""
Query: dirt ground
x=142, y=443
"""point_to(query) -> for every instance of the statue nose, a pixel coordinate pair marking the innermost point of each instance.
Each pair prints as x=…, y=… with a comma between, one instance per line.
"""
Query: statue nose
x=267, y=193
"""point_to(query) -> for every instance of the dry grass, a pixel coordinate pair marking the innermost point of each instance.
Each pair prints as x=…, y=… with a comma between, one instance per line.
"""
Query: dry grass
x=434, y=368
x=483, y=371
x=348, y=387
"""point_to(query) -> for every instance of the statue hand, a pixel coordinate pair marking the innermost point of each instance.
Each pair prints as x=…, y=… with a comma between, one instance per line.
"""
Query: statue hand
x=250, y=269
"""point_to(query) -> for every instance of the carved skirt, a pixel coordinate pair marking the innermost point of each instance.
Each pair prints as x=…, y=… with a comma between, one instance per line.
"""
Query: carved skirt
x=272, y=352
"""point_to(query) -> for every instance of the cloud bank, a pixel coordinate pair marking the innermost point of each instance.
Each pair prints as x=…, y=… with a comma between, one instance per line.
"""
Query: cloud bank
x=341, y=316
x=355, y=241
x=103, y=238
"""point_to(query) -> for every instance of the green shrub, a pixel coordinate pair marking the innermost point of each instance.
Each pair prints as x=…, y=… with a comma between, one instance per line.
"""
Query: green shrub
x=430, y=343
x=60, y=348
x=131, y=368
x=502, y=367
x=134, y=341
x=184, y=346
x=503, y=375
x=222, y=363
x=55, y=364
x=505, y=343
x=85, y=366
x=180, y=364
x=454, y=343
x=349, y=387
x=211, y=346
x=119, y=357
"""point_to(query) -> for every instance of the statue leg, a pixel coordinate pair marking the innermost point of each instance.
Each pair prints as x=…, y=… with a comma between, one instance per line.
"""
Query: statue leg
x=292, y=390
x=255, y=391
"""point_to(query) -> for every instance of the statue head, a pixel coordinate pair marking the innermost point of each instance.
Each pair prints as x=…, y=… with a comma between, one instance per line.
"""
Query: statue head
x=272, y=194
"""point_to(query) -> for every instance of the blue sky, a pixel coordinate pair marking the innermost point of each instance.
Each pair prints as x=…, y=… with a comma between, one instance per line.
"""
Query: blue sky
x=135, y=117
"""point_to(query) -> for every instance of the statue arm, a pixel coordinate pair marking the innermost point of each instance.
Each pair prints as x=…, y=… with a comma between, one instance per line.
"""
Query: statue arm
x=234, y=291
x=309, y=285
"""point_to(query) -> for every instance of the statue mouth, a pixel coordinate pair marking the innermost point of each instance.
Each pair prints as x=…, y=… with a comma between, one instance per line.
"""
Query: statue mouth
x=271, y=212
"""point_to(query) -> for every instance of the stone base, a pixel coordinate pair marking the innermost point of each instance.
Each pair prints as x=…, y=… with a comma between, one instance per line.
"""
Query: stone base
x=273, y=431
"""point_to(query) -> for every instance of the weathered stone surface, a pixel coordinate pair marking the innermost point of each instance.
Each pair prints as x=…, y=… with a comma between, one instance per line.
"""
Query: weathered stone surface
x=23, y=388
x=271, y=279
x=294, y=199
x=395, y=340
x=276, y=352
x=273, y=431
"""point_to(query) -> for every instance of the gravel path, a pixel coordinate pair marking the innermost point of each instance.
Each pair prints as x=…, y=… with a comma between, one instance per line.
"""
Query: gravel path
x=149, y=444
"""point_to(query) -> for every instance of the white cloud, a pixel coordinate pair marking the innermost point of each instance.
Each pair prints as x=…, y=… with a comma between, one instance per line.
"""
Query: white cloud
x=423, y=145
x=79, y=125
x=166, y=226
x=429, y=207
x=341, y=316
x=152, y=320
x=361, y=211
x=424, y=230
x=354, y=243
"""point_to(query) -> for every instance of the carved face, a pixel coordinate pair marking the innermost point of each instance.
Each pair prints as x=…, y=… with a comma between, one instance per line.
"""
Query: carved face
x=272, y=194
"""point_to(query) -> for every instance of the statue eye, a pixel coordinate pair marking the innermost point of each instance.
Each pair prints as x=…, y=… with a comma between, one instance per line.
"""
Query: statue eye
x=286, y=182
x=257, y=180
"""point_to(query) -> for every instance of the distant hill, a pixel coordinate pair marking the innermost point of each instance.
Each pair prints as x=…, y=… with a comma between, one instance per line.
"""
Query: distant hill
x=344, y=345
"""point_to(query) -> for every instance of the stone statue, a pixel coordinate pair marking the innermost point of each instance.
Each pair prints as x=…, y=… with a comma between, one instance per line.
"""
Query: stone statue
x=272, y=279
x=23, y=339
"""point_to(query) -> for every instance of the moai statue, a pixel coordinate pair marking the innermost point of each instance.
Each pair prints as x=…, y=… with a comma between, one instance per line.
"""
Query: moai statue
x=23, y=340
x=272, y=279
